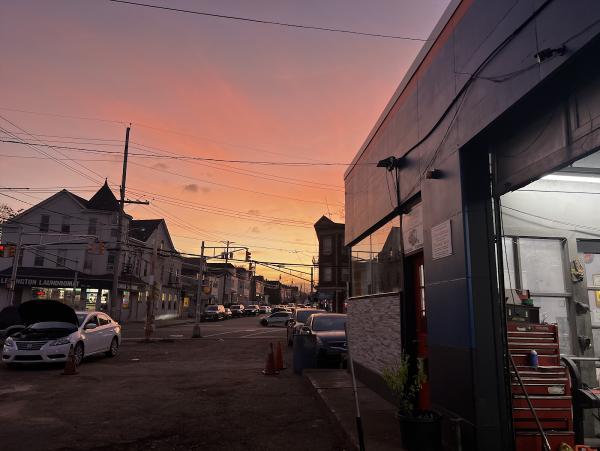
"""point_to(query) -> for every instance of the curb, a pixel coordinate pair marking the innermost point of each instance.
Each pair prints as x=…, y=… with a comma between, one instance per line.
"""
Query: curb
x=348, y=439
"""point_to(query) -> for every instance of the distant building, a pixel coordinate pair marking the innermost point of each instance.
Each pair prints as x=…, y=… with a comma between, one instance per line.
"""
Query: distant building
x=68, y=254
x=334, y=264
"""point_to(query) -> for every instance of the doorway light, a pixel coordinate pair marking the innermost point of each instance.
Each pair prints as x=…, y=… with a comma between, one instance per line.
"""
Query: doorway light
x=571, y=178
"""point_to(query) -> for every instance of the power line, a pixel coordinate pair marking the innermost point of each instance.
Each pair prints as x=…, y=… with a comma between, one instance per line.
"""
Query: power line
x=186, y=157
x=268, y=22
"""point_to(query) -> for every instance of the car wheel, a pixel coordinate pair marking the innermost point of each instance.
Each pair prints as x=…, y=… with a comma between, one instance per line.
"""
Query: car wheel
x=78, y=353
x=114, y=348
x=264, y=322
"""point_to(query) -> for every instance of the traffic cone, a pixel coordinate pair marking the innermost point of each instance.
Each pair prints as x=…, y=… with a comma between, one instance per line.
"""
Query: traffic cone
x=270, y=364
x=70, y=367
x=279, y=363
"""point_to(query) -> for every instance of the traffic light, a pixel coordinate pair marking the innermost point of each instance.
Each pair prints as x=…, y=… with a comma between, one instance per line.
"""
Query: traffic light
x=248, y=256
x=7, y=250
x=101, y=247
x=12, y=250
x=3, y=251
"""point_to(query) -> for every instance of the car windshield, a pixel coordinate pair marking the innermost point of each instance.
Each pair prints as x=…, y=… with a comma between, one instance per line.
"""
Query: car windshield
x=324, y=323
x=303, y=315
x=211, y=308
x=81, y=318
x=53, y=325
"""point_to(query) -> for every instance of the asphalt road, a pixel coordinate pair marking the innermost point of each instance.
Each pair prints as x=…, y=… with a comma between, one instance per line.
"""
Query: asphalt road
x=172, y=394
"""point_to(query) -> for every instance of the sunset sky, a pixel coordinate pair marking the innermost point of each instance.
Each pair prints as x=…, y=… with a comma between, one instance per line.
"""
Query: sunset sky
x=207, y=87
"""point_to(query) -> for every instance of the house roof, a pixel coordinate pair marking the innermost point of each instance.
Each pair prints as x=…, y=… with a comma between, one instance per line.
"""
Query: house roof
x=325, y=222
x=141, y=229
x=104, y=199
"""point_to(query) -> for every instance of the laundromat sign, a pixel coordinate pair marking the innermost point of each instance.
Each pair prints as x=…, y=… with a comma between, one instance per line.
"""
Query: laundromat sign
x=40, y=282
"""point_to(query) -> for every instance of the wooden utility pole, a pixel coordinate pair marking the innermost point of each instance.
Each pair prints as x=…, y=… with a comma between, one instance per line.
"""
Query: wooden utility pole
x=154, y=290
x=115, y=310
x=196, y=333
x=115, y=304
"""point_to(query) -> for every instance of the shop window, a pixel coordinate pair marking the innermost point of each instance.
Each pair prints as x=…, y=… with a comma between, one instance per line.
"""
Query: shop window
x=45, y=223
x=66, y=225
x=39, y=256
x=537, y=265
x=93, y=226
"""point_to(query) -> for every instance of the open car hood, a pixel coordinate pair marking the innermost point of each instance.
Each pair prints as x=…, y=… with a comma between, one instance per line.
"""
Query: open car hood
x=32, y=312
x=9, y=316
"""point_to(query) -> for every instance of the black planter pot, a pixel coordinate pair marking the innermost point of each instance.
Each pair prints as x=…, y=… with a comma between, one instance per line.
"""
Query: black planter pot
x=421, y=431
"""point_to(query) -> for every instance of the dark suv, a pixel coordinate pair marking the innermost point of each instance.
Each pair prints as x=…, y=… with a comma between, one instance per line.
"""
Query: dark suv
x=213, y=313
x=298, y=319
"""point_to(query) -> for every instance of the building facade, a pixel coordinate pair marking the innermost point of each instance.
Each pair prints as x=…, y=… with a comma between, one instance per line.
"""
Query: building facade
x=67, y=252
x=334, y=265
x=491, y=124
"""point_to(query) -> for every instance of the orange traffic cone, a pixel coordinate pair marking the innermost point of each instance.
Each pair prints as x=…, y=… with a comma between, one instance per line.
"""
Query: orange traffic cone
x=270, y=364
x=70, y=367
x=279, y=363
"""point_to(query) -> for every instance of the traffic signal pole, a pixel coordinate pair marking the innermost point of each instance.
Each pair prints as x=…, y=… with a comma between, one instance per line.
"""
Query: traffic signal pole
x=13, y=276
x=196, y=333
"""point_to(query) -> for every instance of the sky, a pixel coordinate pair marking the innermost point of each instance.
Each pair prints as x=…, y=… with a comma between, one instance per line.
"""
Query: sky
x=76, y=73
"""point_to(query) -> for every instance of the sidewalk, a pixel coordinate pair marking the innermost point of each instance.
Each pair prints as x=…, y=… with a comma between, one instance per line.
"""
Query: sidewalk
x=164, y=322
x=380, y=426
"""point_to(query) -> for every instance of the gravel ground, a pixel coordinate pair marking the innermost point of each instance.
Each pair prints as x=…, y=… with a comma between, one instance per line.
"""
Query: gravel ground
x=181, y=394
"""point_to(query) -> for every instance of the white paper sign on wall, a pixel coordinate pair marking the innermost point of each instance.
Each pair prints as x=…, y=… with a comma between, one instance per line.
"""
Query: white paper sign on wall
x=441, y=240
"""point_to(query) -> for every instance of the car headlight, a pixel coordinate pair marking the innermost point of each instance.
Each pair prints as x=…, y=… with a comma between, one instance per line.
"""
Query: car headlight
x=61, y=341
x=9, y=343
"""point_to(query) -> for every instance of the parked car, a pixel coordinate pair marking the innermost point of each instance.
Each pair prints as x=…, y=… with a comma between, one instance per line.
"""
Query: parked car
x=214, y=312
x=329, y=329
x=52, y=328
x=228, y=314
x=276, y=319
x=251, y=310
x=298, y=319
x=264, y=309
x=279, y=308
x=237, y=310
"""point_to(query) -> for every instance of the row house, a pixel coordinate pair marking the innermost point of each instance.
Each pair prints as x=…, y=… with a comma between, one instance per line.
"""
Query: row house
x=68, y=248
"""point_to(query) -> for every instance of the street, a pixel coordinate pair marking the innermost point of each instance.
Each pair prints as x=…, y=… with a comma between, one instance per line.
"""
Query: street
x=175, y=393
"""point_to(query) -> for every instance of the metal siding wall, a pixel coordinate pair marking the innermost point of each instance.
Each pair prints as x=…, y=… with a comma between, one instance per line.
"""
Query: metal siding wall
x=482, y=28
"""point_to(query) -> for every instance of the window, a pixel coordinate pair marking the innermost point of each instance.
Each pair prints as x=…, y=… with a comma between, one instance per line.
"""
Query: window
x=327, y=245
x=93, y=226
x=44, y=223
x=61, y=258
x=39, y=256
x=87, y=262
x=145, y=268
x=326, y=274
x=537, y=265
x=110, y=262
x=103, y=320
x=66, y=225
x=376, y=262
x=92, y=320
x=345, y=274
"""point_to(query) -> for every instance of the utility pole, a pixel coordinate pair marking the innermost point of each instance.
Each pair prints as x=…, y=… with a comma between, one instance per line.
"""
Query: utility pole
x=114, y=305
x=114, y=294
x=312, y=282
x=227, y=252
x=13, y=276
x=196, y=333
x=149, y=326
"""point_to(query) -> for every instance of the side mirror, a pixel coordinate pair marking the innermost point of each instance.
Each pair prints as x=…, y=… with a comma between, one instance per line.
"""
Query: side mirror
x=90, y=326
x=291, y=322
x=306, y=330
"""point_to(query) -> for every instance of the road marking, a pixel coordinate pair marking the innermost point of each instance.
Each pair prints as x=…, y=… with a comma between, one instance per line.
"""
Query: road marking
x=262, y=332
x=221, y=333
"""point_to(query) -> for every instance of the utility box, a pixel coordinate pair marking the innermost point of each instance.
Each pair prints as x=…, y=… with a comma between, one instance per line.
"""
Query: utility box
x=304, y=352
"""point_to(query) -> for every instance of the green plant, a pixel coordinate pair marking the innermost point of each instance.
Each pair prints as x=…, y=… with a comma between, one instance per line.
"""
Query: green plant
x=404, y=384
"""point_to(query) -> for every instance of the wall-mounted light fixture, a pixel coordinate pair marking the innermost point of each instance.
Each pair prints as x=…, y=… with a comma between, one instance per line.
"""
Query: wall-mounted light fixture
x=433, y=174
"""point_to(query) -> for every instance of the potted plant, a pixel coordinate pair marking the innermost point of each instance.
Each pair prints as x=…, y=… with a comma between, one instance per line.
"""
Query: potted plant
x=420, y=429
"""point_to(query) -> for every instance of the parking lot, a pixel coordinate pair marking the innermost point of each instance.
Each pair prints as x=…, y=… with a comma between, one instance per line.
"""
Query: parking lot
x=175, y=393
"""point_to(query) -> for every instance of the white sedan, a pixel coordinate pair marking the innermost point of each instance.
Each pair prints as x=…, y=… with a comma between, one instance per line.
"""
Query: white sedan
x=53, y=329
x=276, y=319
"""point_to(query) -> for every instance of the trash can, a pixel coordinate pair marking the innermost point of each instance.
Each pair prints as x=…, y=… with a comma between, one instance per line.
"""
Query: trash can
x=304, y=352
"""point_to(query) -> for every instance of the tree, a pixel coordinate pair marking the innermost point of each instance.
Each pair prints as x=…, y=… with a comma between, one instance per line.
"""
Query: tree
x=7, y=213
